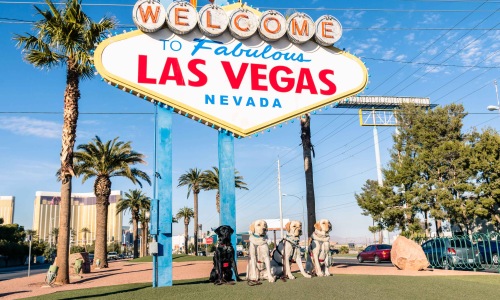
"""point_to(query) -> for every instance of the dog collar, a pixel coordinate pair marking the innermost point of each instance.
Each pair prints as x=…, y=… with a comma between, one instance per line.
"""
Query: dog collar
x=320, y=237
x=257, y=240
x=292, y=239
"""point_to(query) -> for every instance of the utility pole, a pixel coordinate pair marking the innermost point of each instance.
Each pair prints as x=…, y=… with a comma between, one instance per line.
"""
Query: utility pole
x=29, y=256
x=281, y=207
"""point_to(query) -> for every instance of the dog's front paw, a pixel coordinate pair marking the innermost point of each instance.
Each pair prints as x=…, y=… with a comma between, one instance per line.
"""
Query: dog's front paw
x=291, y=277
x=320, y=274
x=307, y=276
x=238, y=278
x=272, y=279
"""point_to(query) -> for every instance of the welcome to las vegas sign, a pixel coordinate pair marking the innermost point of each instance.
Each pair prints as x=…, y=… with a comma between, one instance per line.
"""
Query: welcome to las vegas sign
x=231, y=67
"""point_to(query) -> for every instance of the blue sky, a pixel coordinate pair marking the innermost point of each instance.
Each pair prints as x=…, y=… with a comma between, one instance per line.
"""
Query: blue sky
x=445, y=50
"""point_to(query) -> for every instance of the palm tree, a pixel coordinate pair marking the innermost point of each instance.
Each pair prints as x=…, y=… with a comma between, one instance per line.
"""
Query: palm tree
x=65, y=37
x=104, y=161
x=193, y=180
x=211, y=182
x=308, y=149
x=133, y=201
x=186, y=213
x=55, y=235
x=85, y=231
x=144, y=219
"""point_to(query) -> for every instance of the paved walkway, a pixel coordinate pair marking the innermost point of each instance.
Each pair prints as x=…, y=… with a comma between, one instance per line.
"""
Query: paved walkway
x=123, y=272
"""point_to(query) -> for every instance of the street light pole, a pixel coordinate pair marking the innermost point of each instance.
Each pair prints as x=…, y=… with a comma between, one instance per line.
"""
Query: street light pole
x=497, y=107
x=29, y=256
x=301, y=200
x=281, y=207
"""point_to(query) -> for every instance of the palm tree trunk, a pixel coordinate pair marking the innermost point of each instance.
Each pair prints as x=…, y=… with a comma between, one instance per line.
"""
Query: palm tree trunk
x=186, y=225
x=135, y=234
x=307, y=148
x=71, y=97
x=102, y=190
x=217, y=202
x=144, y=244
x=195, y=196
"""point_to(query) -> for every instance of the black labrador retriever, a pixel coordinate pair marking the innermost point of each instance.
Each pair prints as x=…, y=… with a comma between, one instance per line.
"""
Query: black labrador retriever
x=224, y=263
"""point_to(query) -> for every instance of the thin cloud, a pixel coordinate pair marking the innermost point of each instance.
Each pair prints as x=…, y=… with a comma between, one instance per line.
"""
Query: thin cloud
x=388, y=54
x=32, y=127
x=430, y=19
x=352, y=19
x=410, y=37
x=400, y=57
x=380, y=22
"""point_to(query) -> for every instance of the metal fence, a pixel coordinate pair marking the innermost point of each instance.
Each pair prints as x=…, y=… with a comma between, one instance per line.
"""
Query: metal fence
x=478, y=251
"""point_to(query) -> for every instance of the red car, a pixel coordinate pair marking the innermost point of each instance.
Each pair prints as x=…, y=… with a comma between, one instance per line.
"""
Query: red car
x=376, y=253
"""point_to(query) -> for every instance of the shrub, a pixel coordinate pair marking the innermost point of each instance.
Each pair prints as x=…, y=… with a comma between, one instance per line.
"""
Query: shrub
x=344, y=250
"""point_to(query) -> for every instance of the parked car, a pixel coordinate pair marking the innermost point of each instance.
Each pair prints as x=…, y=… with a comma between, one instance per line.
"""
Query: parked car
x=202, y=253
x=488, y=251
x=452, y=253
x=376, y=253
x=239, y=253
x=334, y=251
x=112, y=255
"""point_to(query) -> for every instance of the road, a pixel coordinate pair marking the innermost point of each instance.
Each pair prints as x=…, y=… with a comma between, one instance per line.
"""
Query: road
x=22, y=271
x=353, y=261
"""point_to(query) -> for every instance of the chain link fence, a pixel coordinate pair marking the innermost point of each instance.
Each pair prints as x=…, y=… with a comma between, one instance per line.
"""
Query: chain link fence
x=478, y=251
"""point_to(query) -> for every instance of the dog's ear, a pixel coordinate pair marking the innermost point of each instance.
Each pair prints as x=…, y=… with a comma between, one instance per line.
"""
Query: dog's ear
x=217, y=230
x=287, y=226
x=252, y=227
x=317, y=226
x=231, y=230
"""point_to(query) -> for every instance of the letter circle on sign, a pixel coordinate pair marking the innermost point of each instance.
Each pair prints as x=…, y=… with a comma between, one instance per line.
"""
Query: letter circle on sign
x=149, y=16
x=328, y=30
x=242, y=23
x=299, y=28
x=181, y=17
x=212, y=20
x=272, y=26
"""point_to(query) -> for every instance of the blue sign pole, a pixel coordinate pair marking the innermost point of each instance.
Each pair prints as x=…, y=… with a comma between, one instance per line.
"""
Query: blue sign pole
x=164, y=187
x=226, y=183
x=154, y=202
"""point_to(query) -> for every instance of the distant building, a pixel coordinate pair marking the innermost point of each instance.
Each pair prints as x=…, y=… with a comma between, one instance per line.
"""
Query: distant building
x=7, y=209
x=83, y=214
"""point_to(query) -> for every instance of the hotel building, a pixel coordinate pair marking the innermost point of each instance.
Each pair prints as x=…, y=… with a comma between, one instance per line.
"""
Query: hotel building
x=7, y=209
x=83, y=214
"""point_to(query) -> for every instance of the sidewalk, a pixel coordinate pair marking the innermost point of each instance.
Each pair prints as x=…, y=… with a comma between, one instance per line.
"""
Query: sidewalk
x=124, y=272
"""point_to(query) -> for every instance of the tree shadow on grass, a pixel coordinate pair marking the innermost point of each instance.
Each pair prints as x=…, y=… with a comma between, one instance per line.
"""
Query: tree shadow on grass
x=12, y=293
x=125, y=290
x=103, y=276
x=193, y=282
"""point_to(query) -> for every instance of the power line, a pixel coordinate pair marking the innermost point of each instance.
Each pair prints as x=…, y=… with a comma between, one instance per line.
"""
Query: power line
x=427, y=64
x=448, y=58
x=428, y=46
x=319, y=8
x=119, y=26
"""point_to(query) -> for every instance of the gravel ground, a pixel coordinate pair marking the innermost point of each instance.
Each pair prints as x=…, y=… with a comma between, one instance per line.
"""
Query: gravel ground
x=123, y=272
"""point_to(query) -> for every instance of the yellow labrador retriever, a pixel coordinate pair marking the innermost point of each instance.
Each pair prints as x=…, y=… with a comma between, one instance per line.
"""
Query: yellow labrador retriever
x=258, y=260
x=319, y=257
x=288, y=252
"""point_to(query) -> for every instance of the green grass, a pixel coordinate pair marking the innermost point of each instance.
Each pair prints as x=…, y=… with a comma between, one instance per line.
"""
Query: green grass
x=335, y=287
x=175, y=258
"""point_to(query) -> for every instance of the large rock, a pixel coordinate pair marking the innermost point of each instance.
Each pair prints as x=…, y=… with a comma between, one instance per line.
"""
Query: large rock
x=408, y=255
